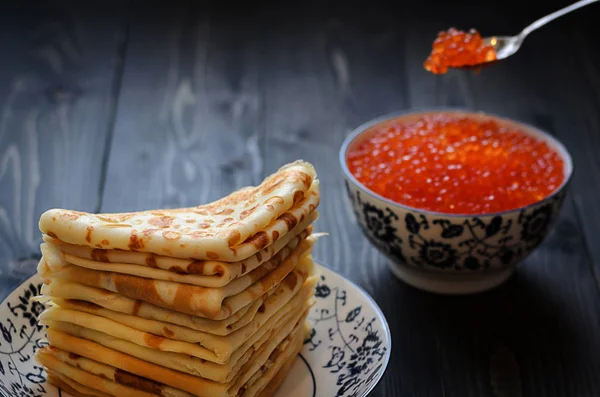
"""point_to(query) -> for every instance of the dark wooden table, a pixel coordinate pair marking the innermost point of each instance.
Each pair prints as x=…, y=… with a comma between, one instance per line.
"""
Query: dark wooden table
x=114, y=106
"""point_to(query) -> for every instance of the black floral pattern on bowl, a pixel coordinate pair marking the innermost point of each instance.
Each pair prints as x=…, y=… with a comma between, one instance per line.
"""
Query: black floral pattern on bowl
x=455, y=243
x=535, y=224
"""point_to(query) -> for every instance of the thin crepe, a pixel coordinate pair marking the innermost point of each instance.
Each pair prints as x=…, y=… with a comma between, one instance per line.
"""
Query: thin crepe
x=192, y=383
x=219, y=349
x=207, y=273
x=273, y=374
x=270, y=388
x=109, y=304
x=93, y=299
x=75, y=389
x=222, y=373
x=230, y=229
x=93, y=383
x=221, y=346
x=56, y=261
x=213, y=303
x=100, y=377
x=228, y=272
x=279, y=358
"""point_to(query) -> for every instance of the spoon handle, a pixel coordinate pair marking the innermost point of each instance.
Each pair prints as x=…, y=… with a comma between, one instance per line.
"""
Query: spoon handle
x=542, y=21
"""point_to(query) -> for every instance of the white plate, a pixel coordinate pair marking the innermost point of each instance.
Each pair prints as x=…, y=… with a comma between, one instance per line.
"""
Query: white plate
x=346, y=354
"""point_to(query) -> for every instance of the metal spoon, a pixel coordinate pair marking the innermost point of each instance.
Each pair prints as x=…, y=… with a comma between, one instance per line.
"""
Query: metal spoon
x=505, y=46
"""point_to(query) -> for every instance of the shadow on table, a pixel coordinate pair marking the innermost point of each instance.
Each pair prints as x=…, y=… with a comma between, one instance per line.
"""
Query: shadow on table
x=526, y=329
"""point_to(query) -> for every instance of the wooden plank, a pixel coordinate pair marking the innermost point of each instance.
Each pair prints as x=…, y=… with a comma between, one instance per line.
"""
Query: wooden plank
x=181, y=139
x=576, y=77
x=58, y=83
x=188, y=120
x=315, y=86
x=534, y=336
x=516, y=340
x=319, y=84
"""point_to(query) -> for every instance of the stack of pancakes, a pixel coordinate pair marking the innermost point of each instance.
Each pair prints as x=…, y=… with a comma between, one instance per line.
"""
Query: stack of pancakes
x=206, y=301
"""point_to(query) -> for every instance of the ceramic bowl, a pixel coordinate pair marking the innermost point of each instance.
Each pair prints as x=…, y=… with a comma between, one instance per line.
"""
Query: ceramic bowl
x=449, y=253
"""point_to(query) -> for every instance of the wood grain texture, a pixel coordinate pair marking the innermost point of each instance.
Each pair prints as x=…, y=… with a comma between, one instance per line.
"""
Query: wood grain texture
x=525, y=331
x=319, y=84
x=187, y=126
x=215, y=97
x=346, y=70
x=59, y=68
x=576, y=74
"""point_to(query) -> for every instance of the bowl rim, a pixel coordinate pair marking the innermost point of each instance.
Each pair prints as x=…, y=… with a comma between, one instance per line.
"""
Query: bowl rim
x=557, y=145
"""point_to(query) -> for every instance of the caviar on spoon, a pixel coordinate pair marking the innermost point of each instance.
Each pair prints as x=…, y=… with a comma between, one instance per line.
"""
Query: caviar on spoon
x=459, y=49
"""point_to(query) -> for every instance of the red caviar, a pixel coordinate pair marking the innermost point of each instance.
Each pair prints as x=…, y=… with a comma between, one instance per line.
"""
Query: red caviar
x=457, y=164
x=456, y=48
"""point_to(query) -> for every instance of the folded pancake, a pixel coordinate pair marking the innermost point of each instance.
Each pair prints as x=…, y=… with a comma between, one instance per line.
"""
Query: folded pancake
x=230, y=229
x=271, y=387
x=260, y=360
x=90, y=377
x=206, y=301
x=70, y=386
x=212, y=348
x=221, y=346
x=182, y=361
x=204, y=273
x=266, y=382
x=227, y=273
x=56, y=261
x=102, y=378
x=94, y=299
x=185, y=362
x=266, y=356
x=213, y=303
x=92, y=383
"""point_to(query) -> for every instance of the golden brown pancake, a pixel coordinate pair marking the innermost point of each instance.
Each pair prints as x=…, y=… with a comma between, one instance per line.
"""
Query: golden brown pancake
x=68, y=385
x=220, y=350
x=213, y=303
x=269, y=382
x=280, y=351
x=230, y=229
x=220, y=346
x=183, y=362
x=206, y=301
x=204, y=273
x=92, y=299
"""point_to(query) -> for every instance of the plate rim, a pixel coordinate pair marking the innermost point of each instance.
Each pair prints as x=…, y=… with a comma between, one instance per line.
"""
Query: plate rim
x=384, y=323
x=364, y=293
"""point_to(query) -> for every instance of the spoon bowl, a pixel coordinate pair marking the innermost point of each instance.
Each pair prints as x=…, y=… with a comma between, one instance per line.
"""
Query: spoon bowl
x=504, y=46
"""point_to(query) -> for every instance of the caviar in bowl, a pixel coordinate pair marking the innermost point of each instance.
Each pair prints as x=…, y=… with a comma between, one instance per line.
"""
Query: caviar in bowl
x=454, y=199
